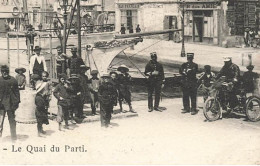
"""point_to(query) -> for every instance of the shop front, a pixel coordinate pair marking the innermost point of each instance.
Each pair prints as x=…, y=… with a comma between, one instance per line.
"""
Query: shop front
x=201, y=22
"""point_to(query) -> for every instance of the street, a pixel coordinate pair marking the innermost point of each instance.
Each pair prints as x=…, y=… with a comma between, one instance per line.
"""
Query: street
x=167, y=137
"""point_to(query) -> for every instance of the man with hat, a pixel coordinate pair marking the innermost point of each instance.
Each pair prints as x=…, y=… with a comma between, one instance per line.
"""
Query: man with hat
x=30, y=35
x=37, y=62
x=155, y=73
x=83, y=83
x=249, y=78
x=75, y=94
x=106, y=94
x=124, y=81
x=231, y=72
x=74, y=62
x=9, y=100
x=20, y=77
x=188, y=71
x=93, y=88
x=61, y=61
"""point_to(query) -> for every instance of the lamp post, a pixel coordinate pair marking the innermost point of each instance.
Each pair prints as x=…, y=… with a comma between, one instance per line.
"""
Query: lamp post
x=182, y=22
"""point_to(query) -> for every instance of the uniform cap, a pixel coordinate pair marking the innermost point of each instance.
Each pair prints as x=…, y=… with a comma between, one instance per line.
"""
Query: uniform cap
x=153, y=54
x=190, y=55
x=113, y=72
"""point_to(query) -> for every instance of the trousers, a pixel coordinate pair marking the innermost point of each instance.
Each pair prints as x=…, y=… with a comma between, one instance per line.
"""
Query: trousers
x=105, y=114
x=189, y=96
x=154, y=86
x=12, y=122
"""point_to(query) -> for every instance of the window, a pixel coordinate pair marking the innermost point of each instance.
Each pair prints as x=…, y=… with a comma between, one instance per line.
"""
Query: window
x=129, y=18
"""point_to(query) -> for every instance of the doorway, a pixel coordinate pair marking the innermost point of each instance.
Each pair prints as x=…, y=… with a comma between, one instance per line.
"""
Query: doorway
x=197, y=29
x=170, y=22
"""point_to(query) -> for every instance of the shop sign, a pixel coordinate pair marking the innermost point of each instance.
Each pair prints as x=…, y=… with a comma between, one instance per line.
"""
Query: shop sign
x=128, y=6
x=200, y=6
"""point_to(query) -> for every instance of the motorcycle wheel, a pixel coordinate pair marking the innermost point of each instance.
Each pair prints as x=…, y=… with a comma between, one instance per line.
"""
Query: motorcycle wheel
x=212, y=109
x=253, y=109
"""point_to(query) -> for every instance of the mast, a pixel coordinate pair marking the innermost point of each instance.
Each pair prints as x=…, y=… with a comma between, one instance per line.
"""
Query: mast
x=79, y=28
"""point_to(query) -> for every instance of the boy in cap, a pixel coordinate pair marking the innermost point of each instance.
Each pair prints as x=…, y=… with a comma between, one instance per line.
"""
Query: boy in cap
x=42, y=99
x=188, y=71
x=37, y=62
x=249, y=78
x=93, y=87
x=10, y=99
x=205, y=80
x=124, y=81
x=107, y=94
x=62, y=94
x=20, y=77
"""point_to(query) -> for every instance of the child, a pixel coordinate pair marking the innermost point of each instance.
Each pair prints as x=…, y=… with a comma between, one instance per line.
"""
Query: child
x=107, y=94
x=20, y=77
x=124, y=80
x=93, y=87
x=61, y=93
x=205, y=80
x=42, y=99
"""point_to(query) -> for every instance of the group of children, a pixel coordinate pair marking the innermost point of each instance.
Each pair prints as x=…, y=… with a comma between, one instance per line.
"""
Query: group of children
x=73, y=92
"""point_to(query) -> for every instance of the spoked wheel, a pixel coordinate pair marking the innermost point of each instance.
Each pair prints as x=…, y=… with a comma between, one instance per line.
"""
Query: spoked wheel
x=253, y=109
x=212, y=109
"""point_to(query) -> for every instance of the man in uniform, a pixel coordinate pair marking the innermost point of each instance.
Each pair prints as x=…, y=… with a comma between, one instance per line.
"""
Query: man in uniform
x=9, y=100
x=61, y=61
x=75, y=62
x=188, y=71
x=232, y=73
x=154, y=71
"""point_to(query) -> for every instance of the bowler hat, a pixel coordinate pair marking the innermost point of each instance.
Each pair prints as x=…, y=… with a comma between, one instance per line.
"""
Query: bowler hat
x=4, y=68
x=93, y=72
x=123, y=67
x=190, y=55
x=105, y=75
x=113, y=72
x=73, y=49
x=82, y=67
x=73, y=76
x=63, y=75
x=37, y=48
x=250, y=67
x=20, y=69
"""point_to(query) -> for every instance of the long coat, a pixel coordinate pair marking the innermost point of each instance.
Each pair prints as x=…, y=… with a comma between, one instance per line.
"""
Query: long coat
x=9, y=93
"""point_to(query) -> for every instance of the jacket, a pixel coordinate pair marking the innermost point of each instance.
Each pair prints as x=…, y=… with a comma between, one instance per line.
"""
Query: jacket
x=151, y=67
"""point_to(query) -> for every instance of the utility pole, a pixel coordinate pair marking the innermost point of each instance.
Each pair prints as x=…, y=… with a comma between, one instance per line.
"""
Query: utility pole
x=65, y=17
x=183, y=46
x=79, y=28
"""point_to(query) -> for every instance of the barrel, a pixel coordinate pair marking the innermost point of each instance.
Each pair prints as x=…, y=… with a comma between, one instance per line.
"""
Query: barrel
x=26, y=110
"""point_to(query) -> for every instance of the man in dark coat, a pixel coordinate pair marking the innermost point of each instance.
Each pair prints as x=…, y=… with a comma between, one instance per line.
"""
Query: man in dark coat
x=232, y=75
x=107, y=94
x=75, y=62
x=249, y=78
x=188, y=71
x=154, y=71
x=9, y=100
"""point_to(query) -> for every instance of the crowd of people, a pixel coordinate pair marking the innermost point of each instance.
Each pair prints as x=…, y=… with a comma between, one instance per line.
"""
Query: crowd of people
x=75, y=89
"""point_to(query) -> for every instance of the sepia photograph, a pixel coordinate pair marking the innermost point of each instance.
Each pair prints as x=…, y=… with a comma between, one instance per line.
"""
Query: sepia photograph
x=129, y=82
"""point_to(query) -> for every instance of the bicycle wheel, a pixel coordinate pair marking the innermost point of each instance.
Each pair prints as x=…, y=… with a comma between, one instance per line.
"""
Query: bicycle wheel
x=253, y=109
x=212, y=109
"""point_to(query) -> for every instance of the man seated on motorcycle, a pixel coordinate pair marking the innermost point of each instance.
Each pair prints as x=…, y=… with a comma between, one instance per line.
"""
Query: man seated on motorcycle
x=232, y=73
x=205, y=81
